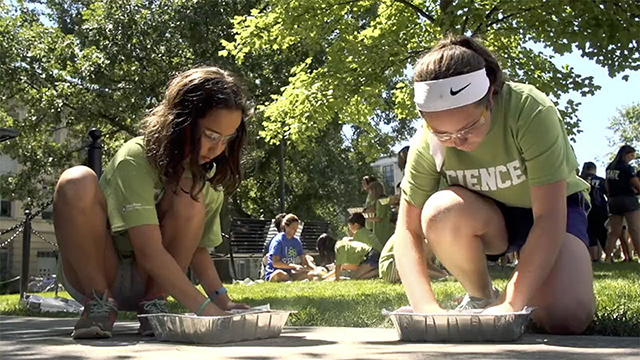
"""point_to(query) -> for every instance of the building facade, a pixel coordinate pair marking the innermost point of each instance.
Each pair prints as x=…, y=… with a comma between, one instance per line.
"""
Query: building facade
x=389, y=173
x=42, y=254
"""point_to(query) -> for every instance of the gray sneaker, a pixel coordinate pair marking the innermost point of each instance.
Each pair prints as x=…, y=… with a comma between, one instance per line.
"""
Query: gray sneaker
x=98, y=316
x=470, y=302
x=159, y=305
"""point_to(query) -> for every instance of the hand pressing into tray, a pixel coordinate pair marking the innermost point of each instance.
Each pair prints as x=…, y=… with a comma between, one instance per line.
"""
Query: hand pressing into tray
x=212, y=310
x=235, y=306
x=499, y=309
x=430, y=309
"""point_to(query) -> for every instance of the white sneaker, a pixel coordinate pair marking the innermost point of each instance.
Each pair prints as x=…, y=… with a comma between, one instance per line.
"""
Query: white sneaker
x=470, y=302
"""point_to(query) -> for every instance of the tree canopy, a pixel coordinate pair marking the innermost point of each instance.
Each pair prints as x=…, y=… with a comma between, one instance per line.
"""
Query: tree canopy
x=626, y=126
x=356, y=55
x=331, y=78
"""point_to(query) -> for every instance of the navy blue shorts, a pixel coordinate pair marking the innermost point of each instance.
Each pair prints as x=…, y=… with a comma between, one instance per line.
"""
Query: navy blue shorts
x=372, y=258
x=519, y=222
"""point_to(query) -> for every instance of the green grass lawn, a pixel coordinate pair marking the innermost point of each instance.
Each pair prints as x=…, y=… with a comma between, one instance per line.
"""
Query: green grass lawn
x=358, y=303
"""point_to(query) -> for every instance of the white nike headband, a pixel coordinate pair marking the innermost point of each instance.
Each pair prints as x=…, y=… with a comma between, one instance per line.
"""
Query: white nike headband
x=453, y=92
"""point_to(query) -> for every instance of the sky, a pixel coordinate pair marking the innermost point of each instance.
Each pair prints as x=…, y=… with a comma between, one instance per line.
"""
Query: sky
x=596, y=111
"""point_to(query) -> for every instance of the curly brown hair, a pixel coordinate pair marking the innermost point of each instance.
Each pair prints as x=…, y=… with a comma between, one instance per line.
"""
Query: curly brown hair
x=172, y=133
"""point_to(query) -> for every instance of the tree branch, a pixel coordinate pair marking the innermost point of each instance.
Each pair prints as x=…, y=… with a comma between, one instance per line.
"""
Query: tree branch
x=507, y=17
x=417, y=10
x=486, y=17
x=464, y=25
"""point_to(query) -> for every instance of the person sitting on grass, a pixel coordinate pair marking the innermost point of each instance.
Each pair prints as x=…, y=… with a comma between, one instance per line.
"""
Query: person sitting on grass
x=359, y=232
x=286, y=257
x=326, y=253
x=360, y=259
x=127, y=239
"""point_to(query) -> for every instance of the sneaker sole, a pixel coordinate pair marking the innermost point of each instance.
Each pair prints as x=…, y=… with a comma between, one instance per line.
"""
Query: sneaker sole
x=93, y=332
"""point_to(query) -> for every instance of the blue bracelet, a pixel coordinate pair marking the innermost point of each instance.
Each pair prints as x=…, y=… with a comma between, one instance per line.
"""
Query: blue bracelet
x=217, y=293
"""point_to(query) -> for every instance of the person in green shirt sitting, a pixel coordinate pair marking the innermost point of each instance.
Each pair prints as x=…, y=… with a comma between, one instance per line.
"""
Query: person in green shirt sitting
x=389, y=271
x=127, y=238
x=512, y=186
x=357, y=229
x=350, y=255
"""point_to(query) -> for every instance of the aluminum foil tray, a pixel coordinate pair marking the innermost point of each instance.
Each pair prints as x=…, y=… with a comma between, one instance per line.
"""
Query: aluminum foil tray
x=189, y=328
x=456, y=326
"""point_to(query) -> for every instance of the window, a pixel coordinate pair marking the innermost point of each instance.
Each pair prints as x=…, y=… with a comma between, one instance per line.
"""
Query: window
x=5, y=208
x=388, y=178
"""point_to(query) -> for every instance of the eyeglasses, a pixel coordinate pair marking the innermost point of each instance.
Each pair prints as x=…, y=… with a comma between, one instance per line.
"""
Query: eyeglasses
x=462, y=134
x=217, y=138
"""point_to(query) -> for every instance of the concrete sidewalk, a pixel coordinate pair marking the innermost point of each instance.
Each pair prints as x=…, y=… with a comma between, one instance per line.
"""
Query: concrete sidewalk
x=42, y=338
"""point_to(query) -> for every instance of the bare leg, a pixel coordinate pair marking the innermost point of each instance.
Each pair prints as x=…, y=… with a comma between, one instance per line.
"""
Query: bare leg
x=624, y=245
x=462, y=227
x=365, y=271
x=181, y=224
x=633, y=222
x=279, y=276
x=565, y=301
x=80, y=222
x=615, y=222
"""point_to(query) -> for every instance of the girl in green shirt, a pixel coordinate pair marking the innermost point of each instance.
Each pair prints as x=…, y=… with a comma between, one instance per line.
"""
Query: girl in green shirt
x=382, y=226
x=126, y=240
x=504, y=153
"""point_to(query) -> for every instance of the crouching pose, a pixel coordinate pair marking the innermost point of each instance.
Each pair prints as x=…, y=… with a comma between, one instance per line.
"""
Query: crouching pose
x=504, y=152
x=127, y=238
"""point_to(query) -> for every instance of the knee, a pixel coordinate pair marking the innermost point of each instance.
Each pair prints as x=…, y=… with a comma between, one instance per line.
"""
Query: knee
x=74, y=181
x=279, y=276
x=566, y=320
x=441, y=209
x=182, y=208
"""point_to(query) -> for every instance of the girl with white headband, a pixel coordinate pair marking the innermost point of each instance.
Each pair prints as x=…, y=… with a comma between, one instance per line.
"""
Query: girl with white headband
x=503, y=151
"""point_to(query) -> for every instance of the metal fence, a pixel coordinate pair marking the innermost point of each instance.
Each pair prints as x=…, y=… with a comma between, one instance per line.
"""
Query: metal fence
x=94, y=161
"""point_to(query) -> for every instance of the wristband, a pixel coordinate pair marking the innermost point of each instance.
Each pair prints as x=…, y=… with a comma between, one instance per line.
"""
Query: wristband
x=217, y=293
x=204, y=303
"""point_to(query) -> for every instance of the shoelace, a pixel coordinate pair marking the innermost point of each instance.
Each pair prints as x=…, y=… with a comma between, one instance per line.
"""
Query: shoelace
x=470, y=302
x=156, y=306
x=100, y=306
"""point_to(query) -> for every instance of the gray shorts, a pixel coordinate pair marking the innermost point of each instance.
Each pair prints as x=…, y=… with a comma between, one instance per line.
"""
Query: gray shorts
x=128, y=289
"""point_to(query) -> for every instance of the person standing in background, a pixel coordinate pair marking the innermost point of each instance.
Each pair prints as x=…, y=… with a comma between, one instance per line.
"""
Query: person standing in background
x=599, y=210
x=369, y=204
x=623, y=186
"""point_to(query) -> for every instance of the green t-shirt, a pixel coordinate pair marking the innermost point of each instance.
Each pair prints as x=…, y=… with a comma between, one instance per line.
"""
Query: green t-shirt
x=365, y=236
x=351, y=252
x=527, y=145
x=386, y=264
x=132, y=188
x=383, y=229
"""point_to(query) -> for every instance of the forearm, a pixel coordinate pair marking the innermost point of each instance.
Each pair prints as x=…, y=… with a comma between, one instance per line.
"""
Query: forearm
x=281, y=265
x=537, y=258
x=412, y=269
x=205, y=270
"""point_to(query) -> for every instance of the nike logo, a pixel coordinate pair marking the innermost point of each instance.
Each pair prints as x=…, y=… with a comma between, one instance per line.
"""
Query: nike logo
x=456, y=92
